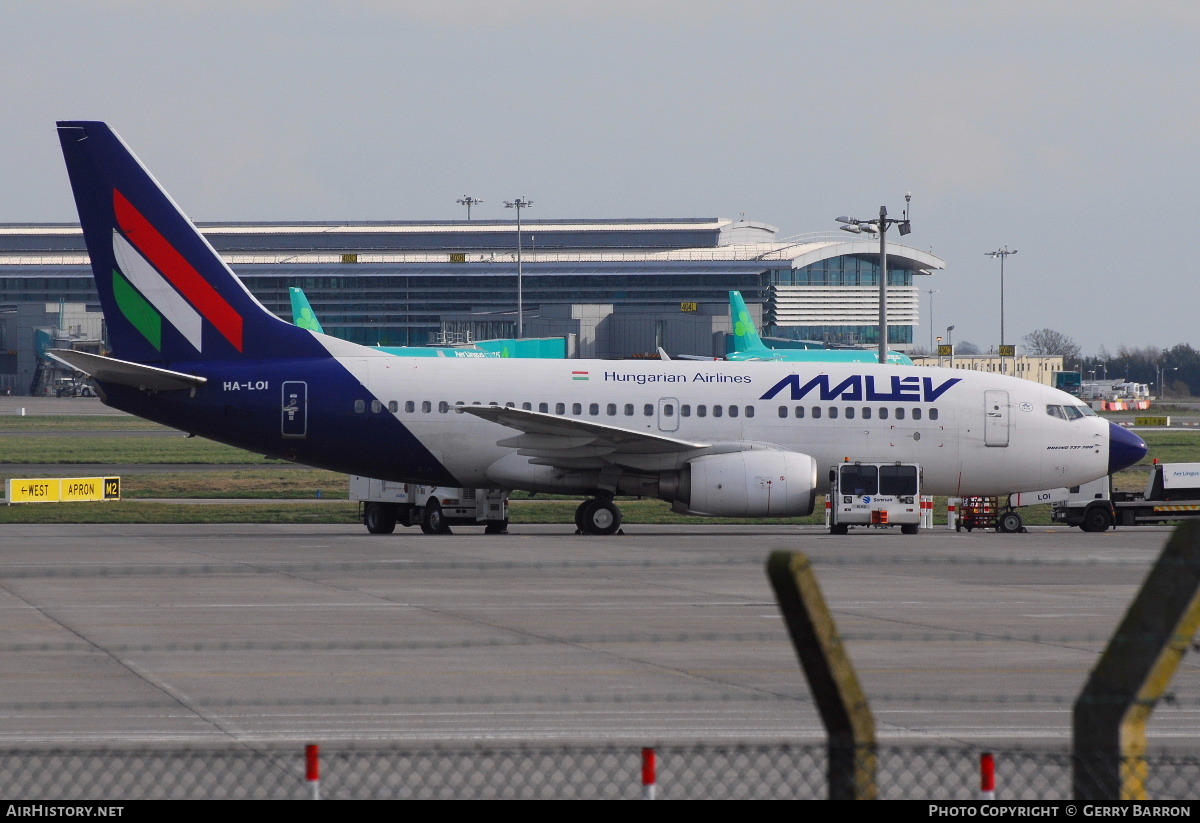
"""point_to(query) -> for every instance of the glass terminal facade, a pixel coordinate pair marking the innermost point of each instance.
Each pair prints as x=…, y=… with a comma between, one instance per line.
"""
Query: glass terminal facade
x=392, y=283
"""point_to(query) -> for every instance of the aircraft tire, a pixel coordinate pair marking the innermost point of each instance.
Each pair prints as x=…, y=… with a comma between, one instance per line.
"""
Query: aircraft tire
x=598, y=517
x=432, y=519
x=379, y=518
x=579, y=510
x=1009, y=523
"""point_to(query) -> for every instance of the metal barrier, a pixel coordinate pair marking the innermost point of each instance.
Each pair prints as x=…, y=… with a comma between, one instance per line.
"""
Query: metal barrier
x=696, y=771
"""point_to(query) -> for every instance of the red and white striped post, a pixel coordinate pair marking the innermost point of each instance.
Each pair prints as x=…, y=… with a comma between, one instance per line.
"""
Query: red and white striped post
x=987, y=776
x=649, y=774
x=312, y=770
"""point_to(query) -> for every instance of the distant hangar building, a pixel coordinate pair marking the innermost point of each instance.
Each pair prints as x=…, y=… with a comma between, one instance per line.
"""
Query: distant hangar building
x=618, y=288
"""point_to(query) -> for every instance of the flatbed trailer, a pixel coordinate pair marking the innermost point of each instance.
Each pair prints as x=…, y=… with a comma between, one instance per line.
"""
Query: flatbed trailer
x=434, y=508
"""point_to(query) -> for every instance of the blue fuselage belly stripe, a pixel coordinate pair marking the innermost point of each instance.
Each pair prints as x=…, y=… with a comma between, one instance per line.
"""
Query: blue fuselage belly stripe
x=243, y=405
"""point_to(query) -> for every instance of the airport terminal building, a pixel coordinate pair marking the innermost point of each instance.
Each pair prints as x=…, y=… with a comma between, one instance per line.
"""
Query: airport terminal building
x=616, y=288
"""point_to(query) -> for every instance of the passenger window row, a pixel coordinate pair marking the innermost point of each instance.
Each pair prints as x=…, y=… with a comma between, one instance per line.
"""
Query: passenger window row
x=593, y=409
x=851, y=412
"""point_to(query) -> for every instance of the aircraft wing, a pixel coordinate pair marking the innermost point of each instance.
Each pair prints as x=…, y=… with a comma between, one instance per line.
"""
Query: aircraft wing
x=551, y=440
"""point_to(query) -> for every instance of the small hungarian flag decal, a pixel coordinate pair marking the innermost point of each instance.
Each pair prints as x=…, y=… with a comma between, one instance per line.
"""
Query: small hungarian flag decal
x=579, y=375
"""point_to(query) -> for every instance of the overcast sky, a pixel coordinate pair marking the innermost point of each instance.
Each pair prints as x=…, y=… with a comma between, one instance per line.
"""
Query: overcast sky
x=1066, y=130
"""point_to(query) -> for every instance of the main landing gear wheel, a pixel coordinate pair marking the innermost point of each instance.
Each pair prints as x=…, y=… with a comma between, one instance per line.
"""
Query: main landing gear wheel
x=598, y=517
x=433, y=521
x=1009, y=523
x=379, y=518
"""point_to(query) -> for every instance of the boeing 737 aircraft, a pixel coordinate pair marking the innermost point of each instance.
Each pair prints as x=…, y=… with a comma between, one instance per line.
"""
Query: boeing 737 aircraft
x=193, y=349
x=748, y=345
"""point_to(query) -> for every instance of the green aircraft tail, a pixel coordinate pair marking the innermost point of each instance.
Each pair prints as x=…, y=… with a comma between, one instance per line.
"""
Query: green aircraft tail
x=745, y=335
x=302, y=311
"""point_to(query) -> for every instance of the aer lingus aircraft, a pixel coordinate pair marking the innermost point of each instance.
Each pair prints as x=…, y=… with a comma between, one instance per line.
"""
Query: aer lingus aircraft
x=304, y=316
x=747, y=345
x=193, y=349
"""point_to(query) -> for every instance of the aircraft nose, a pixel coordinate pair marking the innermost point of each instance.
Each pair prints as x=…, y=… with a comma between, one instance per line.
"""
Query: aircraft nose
x=1124, y=448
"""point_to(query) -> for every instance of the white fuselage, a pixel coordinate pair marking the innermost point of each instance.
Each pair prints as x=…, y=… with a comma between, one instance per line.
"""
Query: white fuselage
x=971, y=432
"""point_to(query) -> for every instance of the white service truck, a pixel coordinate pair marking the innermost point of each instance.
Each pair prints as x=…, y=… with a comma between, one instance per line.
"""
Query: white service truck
x=875, y=494
x=434, y=508
x=1172, y=493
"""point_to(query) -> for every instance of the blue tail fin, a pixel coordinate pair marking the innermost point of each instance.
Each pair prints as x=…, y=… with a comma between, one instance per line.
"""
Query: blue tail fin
x=167, y=295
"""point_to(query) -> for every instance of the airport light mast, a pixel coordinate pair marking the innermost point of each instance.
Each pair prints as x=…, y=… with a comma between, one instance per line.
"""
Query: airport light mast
x=1002, y=253
x=1162, y=373
x=518, y=204
x=468, y=201
x=932, y=292
x=879, y=226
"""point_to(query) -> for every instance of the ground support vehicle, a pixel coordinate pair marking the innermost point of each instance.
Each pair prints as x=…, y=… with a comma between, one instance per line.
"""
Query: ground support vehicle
x=875, y=494
x=976, y=513
x=1172, y=494
x=972, y=513
x=434, y=508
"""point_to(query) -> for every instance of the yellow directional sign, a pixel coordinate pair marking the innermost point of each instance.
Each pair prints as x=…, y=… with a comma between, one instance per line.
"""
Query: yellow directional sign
x=60, y=489
x=33, y=491
x=945, y=351
x=1152, y=421
x=1008, y=351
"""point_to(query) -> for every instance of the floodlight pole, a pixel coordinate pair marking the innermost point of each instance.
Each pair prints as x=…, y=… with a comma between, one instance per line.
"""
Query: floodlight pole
x=1002, y=253
x=880, y=225
x=883, y=278
x=932, y=292
x=468, y=201
x=518, y=204
x=1162, y=373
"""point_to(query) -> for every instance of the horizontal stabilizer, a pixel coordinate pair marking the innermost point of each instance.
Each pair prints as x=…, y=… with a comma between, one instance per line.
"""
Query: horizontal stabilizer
x=124, y=373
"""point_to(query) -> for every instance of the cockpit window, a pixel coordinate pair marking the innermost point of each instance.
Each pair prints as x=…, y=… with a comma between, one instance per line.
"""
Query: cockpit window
x=1069, y=412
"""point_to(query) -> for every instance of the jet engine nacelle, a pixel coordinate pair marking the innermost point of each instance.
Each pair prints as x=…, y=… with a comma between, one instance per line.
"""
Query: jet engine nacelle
x=756, y=483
